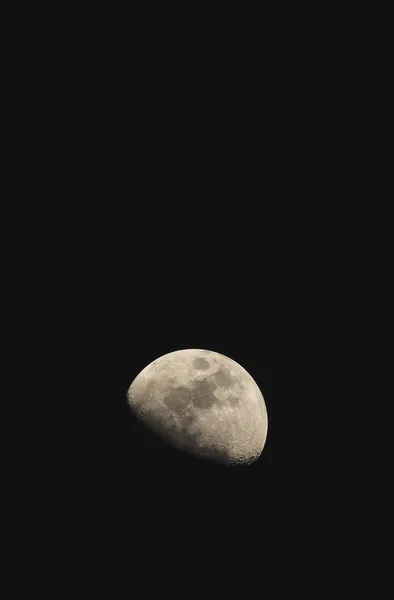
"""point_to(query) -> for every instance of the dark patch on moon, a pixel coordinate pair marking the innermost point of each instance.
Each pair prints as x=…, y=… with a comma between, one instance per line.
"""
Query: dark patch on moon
x=223, y=377
x=202, y=394
x=177, y=399
x=201, y=363
x=169, y=423
x=233, y=400
x=187, y=421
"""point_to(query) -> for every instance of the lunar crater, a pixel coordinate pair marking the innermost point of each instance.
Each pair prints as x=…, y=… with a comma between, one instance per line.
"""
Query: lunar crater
x=187, y=421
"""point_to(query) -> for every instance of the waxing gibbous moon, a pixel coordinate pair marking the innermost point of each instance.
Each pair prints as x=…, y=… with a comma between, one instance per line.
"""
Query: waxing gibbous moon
x=204, y=403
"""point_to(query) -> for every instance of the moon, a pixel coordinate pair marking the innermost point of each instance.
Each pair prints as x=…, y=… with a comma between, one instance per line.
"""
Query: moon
x=204, y=403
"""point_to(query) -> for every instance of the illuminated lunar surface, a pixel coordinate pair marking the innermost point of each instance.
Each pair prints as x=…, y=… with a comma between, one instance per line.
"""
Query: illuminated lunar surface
x=204, y=403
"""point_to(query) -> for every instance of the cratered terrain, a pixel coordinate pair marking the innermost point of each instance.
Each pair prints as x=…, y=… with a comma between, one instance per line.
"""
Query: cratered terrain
x=204, y=403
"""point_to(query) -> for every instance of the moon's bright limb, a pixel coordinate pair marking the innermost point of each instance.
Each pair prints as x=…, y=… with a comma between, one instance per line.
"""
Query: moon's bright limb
x=202, y=402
